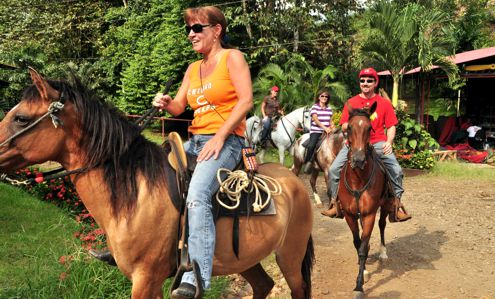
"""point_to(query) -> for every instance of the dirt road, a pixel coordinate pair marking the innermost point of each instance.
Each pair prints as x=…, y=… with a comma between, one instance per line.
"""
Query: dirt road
x=446, y=251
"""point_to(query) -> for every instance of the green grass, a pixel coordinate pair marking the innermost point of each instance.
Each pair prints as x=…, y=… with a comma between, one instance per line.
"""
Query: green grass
x=460, y=170
x=34, y=235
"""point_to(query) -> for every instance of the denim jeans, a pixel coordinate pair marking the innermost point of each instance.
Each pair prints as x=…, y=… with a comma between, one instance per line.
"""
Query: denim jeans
x=203, y=186
x=267, y=123
x=393, y=168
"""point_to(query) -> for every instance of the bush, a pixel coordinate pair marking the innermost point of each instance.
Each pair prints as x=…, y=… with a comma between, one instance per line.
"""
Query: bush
x=413, y=144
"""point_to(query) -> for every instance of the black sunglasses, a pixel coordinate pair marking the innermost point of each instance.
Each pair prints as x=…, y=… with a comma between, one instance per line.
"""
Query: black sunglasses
x=196, y=28
x=324, y=96
x=366, y=80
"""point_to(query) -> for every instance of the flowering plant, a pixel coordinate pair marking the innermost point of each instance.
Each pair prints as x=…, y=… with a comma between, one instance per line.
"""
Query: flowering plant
x=61, y=192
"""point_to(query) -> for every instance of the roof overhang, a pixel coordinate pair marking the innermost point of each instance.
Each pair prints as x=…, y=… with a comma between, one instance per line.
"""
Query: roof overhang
x=457, y=59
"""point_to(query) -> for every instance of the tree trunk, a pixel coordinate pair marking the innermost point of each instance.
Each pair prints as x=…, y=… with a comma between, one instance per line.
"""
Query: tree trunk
x=248, y=24
x=395, y=90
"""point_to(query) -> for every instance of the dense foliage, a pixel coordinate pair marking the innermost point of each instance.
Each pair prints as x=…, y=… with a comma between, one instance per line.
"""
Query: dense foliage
x=413, y=145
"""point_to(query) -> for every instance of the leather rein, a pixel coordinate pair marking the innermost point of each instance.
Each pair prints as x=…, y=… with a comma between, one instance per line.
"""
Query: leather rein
x=357, y=193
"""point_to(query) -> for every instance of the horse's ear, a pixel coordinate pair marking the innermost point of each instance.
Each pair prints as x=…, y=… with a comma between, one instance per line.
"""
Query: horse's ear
x=373, y=108
x=47, y=92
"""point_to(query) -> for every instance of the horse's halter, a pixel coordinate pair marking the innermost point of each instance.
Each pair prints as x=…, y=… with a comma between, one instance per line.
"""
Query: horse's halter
x=54, y=107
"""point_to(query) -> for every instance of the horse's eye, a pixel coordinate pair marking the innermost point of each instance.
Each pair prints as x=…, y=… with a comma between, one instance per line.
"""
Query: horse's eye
x=22, y=120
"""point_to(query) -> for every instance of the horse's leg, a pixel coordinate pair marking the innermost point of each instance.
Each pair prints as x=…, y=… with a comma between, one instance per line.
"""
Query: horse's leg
x=381, y=224
x=368, y=223
x=281, y=154
x=312, y=182
x=261, y=283
x=295, y=261
x=261, y=155
x=146, y=285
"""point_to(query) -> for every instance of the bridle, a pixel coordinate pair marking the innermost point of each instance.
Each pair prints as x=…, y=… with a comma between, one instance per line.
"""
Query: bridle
x=54, y=108
x=357, y=193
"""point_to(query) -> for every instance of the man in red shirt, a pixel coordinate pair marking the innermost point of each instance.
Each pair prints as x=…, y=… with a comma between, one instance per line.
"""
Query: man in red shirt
x=383, y=117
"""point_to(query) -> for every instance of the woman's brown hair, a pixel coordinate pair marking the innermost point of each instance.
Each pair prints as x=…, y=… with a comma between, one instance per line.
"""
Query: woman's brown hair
x=320, y=92
x=210, y=14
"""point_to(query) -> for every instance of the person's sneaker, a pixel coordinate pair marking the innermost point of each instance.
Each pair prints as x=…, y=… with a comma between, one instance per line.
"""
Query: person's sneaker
x=184, y=291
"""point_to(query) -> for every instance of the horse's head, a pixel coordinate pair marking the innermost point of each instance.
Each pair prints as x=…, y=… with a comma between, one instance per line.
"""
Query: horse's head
x=306, y=119
x=358, y=134
x=253, y=129
x=34, y=130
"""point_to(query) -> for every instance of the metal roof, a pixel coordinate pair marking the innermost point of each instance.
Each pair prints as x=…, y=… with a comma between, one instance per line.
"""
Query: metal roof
x=457, y=59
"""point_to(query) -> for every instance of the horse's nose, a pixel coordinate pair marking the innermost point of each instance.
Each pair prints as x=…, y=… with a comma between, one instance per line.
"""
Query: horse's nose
x=358, y=158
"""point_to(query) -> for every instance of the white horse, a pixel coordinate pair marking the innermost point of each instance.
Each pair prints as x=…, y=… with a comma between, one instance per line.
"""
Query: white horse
x=283, y=135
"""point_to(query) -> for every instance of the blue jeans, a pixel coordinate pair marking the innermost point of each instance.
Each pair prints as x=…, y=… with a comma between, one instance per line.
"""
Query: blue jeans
x=393, y=168
x=203, y=186
x=267, y=123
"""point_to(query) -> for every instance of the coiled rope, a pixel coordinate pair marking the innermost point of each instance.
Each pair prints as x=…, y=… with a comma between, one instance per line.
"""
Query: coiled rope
x=238, y=181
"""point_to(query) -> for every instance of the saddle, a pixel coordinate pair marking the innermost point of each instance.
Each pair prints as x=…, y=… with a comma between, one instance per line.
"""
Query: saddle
x=183, y=166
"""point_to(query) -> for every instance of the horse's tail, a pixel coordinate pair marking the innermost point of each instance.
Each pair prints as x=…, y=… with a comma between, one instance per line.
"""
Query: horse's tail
x=307, y=266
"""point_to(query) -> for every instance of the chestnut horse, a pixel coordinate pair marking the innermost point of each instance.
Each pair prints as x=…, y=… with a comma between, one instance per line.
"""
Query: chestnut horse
x=363, y=189
x=324, y=156
x=123, y=183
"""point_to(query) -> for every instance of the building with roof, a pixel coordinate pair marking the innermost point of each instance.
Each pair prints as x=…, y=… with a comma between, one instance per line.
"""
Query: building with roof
x=475, y=101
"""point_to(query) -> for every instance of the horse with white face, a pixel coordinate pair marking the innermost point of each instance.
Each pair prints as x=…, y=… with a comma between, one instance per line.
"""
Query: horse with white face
x=283, y=135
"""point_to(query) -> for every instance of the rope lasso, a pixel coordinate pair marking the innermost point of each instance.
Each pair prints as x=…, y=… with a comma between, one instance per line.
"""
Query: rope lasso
x=238, y=181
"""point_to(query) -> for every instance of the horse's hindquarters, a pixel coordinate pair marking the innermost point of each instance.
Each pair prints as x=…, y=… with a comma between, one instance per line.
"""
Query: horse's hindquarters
x=259, y=236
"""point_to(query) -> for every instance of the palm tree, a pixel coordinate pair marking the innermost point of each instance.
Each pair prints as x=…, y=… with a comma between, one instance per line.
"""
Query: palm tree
x=402, y=39
x=299, y=83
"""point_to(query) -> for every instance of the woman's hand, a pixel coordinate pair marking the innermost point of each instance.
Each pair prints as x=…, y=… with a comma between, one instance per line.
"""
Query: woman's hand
x=211, y=148
x=161, y=101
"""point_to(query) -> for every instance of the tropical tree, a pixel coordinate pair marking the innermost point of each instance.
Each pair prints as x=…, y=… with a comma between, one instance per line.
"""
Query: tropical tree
x=299, y=83
x=400, y=39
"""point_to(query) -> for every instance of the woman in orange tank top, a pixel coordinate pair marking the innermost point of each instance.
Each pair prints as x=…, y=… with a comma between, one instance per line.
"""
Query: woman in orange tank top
x=218, y=88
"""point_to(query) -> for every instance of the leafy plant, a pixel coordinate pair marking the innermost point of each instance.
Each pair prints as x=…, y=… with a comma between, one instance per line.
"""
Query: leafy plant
x=413, y=144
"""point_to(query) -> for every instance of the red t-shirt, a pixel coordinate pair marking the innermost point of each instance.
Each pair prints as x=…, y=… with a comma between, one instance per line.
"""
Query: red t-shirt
x=383, y=117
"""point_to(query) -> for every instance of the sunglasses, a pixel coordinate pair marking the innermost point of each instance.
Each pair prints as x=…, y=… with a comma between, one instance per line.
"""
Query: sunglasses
x=324, y=96
x=366, y=80
x=196, y=28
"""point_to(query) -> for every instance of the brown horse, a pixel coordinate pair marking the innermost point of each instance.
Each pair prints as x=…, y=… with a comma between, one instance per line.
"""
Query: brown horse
x=123, y=183
x=363, y=189
x=324, y=156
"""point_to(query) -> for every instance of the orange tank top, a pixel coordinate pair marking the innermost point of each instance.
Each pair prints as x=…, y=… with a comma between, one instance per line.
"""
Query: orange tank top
x=214, y=101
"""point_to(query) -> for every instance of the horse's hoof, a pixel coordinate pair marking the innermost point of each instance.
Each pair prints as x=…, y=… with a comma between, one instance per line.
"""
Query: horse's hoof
x=383, y=256
x=319, y=205
x=366, y=276
x=357, y=295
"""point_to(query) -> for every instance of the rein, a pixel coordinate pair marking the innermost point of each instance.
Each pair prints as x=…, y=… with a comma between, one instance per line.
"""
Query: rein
x=358, y=192
x=54, y=108
x=285, y=128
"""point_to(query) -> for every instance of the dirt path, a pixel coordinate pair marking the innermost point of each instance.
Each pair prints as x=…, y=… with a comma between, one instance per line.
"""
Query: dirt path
x=446, y=251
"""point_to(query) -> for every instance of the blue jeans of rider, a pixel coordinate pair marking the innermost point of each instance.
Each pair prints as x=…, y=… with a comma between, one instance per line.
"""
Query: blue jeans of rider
x=267, y=123
x=203, y=186
x=394, y=170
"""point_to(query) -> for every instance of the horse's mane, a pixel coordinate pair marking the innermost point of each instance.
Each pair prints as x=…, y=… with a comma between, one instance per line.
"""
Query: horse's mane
x=110, y=141
x=359, y=112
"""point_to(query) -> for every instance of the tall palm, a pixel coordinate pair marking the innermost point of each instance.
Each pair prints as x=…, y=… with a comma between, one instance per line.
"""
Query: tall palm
x=401, y=39
x=391, y=41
